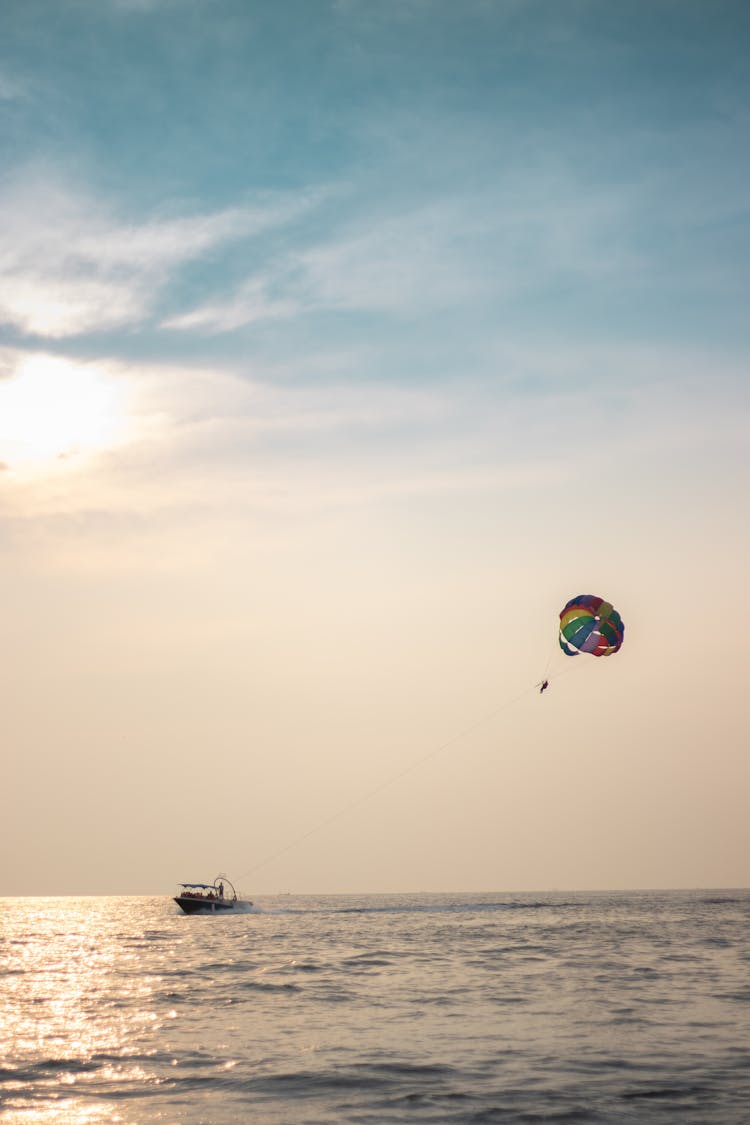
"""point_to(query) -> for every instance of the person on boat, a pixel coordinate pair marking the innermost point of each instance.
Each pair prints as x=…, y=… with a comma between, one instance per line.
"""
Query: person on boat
x=221, y=890
x=544, y=686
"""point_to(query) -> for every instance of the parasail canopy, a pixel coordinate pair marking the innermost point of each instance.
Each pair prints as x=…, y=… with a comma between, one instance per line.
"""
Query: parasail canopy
x=590, y=624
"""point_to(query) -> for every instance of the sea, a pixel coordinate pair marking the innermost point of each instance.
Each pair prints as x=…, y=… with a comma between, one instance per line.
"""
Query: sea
x=585, y=1007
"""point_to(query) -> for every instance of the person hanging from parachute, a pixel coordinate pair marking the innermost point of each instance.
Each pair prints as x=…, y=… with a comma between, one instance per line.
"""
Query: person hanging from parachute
x=588, y=624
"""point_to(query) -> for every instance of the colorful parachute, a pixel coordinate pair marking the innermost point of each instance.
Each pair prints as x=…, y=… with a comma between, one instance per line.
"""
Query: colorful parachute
x=589, y=624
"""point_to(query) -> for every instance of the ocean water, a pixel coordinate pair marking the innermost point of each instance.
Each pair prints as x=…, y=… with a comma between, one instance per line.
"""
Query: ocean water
x=427, y=1008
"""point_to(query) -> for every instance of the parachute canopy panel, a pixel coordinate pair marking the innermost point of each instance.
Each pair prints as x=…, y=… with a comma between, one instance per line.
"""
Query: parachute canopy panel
x=590, y=624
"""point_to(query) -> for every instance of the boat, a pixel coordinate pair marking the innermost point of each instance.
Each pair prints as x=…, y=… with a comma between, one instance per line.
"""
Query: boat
x=218, y=897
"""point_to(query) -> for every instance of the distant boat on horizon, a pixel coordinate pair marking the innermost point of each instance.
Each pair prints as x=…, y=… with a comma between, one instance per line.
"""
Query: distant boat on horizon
x=218, y=897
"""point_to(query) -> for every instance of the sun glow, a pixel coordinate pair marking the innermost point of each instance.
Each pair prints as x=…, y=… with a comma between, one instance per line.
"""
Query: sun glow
x=52, y=409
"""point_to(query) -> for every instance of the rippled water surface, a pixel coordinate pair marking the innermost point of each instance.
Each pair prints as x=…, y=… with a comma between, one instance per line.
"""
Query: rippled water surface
x=450, y=1008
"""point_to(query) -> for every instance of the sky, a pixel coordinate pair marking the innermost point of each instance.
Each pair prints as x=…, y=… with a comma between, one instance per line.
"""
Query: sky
x=340, y=345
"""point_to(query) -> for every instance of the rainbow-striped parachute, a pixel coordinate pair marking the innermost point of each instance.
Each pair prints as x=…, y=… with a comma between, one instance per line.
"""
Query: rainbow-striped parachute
x=589, y=624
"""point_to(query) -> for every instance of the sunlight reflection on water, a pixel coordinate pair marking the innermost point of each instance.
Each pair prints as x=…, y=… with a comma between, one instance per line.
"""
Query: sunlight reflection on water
x=74, y=1005
x=431, y=1008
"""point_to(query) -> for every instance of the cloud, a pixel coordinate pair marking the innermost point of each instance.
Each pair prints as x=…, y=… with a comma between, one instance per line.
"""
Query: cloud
x=449, y=254
x=198, y=438
x=69, y=266
x=213, y=464
x=251, y=304
x=399, y=263
x=198, y=442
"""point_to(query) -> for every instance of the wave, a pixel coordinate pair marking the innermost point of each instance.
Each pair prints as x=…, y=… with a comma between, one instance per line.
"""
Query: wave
x=436, y=908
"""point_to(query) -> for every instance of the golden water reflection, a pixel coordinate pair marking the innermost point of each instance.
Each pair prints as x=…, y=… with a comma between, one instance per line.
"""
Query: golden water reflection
x=76, y=1009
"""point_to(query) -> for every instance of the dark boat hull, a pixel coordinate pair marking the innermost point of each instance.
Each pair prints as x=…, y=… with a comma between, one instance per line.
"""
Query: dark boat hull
x=193, y=905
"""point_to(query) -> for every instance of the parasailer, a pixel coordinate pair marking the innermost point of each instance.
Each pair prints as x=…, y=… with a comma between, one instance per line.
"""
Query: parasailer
x=590, y=624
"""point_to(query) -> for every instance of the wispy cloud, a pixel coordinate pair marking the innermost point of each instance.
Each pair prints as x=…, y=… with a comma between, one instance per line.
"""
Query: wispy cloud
x=445, y=254
x=196, y=439
x=251, y=303
x=69, y=265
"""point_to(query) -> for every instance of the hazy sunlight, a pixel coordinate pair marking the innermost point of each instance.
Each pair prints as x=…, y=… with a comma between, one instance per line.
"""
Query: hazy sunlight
x=52, y=408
